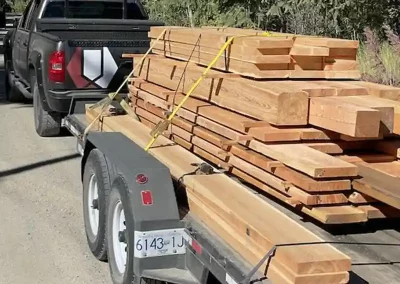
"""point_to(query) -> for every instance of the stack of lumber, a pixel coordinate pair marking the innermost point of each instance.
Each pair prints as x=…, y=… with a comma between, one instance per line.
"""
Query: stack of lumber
x=264, y=56
x=322, y=147
x=243, y=220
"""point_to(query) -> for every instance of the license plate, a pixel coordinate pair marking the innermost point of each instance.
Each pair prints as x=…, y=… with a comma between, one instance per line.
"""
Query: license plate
x=159, y=243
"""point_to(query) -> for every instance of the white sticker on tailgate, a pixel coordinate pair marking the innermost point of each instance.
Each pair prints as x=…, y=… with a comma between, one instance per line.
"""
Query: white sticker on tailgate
x=159, y=243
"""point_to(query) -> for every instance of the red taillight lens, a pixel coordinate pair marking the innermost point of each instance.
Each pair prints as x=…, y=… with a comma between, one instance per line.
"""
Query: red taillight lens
x=57, y=67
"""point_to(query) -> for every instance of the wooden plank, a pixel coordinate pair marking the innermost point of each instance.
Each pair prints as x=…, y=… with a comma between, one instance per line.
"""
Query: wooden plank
x=360, y=198
x=345, y=88
x=285, y=187
x=276, y=272
x=369, y=158
x=246, y=167
x=200, y=55
x=385, y=107
x=307, y=160
x=378, y=185
x=345, y=118
x=278, y=169
x=279, y=106
x=324, y=258
x=337, y=214
x=390, y=147
x=380, y=90
x=344, y=214
x=304, y=50
x=380, y=211
x=261, y=130
x=389, y=169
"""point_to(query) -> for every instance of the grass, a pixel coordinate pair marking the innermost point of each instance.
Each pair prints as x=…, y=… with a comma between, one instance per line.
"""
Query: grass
x=379, y=61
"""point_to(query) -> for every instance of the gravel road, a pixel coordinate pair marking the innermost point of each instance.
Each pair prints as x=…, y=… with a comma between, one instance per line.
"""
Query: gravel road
x=42, y=238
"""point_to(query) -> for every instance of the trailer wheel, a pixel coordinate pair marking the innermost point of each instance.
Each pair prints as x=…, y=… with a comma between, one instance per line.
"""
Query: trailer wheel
x=120, y=234
x=96, y=188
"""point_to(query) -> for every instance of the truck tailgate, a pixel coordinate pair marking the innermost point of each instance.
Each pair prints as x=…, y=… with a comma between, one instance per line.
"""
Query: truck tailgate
x=93, y=49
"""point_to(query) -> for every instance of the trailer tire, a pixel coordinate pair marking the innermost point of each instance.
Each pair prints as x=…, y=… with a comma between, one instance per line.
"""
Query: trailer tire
x=47, y=124
x=96, y=188
x=120, y=234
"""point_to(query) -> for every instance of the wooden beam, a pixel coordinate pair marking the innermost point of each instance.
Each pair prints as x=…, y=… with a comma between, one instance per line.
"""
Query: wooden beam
x=343, y=117
x=385, y=107
x=307, y=160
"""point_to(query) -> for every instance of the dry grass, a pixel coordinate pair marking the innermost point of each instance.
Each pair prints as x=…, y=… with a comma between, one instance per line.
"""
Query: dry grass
x=380, y=61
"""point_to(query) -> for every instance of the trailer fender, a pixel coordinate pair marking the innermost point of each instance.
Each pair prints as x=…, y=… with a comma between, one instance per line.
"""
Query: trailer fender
x=150, y=192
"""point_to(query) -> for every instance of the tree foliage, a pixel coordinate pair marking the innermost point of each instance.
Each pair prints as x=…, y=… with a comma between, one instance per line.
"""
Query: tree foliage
x=337, y=18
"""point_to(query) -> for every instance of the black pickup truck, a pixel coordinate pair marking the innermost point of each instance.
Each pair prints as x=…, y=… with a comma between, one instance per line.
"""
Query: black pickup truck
x=61, y=49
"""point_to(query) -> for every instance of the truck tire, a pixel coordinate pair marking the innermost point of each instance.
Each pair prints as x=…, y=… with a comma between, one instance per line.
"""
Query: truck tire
x=120, y=234
x=47, y=124
x=96, y=188
x=12, y=93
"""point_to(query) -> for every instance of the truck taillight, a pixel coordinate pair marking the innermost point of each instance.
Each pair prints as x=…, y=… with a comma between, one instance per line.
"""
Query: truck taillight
x=57, y=67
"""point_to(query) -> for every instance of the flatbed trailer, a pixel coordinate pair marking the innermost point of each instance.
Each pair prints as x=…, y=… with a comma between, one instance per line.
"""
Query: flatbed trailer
x=204, y=257
x=199, y=256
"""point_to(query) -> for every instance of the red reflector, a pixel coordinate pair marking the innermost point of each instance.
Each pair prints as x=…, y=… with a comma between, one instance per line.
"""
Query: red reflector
x=147, y=197
x=197, y=248
x=141, y=179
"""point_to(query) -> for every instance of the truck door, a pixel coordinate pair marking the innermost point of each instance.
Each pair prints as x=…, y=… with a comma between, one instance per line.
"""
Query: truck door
x=25, y=33
x=16, y=59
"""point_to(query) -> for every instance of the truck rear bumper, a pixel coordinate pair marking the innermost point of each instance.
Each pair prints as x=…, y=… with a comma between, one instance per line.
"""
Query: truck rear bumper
x=60, y=101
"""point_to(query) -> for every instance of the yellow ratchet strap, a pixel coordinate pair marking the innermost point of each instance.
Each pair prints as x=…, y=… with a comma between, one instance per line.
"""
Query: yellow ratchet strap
x=104, y=103
x=164, y=124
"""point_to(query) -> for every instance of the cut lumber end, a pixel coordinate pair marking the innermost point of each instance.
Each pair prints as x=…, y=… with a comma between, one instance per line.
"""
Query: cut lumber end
x=344, y=118
x=293, y=109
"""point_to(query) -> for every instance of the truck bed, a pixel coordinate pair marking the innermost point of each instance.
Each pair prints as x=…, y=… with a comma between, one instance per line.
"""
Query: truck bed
x=374, y=247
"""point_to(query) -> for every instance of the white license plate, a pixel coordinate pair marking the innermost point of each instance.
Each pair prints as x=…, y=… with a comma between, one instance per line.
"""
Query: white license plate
x=159, y=243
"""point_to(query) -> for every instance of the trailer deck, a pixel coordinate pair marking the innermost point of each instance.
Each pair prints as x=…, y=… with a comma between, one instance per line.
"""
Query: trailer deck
x=374, y=247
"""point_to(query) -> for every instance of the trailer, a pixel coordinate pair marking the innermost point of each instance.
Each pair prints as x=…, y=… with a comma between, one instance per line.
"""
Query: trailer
x=131, y=204
x=137, y=217
x=144, y=231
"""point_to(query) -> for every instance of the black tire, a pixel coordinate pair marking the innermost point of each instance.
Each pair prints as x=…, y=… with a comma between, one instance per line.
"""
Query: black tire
x=12, y=93
x=117, y=198
x=96, y=170
x=47, y=124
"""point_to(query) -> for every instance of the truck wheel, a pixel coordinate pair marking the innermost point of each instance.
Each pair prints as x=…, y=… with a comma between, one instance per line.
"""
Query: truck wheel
x=96, y=188
x=12, y=93
x=47, y=124
x=120, y=234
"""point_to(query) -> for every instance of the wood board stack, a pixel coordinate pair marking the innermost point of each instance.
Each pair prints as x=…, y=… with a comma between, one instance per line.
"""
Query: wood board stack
x=241, y=218
x=303, y=142
x=273, y=56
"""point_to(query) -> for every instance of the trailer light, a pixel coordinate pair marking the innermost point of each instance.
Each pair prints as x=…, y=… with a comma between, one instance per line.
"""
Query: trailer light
x=196, y=246
x=141, y=179
x=147, y=197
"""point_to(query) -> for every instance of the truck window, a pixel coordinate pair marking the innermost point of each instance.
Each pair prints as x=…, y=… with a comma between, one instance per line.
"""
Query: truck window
x=22, y=22
x=100, y=9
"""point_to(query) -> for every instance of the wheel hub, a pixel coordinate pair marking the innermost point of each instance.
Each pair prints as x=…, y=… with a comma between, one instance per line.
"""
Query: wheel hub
x=93, y=205
x=119, y=238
